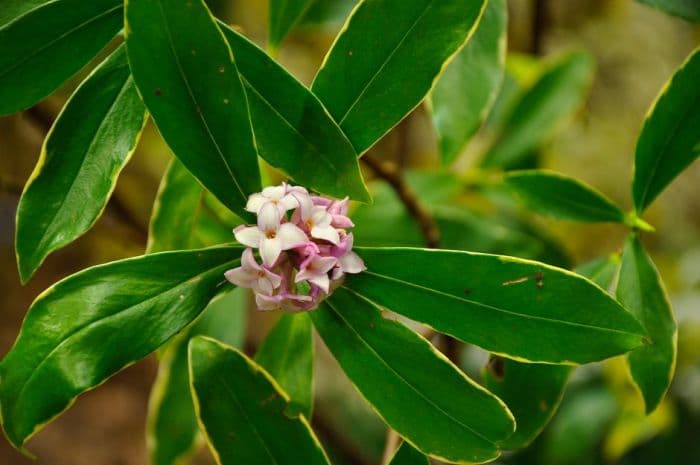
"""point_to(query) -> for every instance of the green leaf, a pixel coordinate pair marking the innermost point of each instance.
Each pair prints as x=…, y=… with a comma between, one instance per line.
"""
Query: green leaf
x=641, y=290
x=554, y=97
x=669, y=140
x=284, y=15
x=387, y=223
x=244, y=413
x=186, y=74
x=293, y=130
x=382, y=64
x=436, y=408
x=176, y=210
x=46, y=42
x=468, y=87
x=687, y=9
x=172, y=432
x=518, y=308
x=407, y=455
x=79, y=163
x=532, y=407
x=558, y=196
x=288, y=356
x=92, y=324
x=601, y=271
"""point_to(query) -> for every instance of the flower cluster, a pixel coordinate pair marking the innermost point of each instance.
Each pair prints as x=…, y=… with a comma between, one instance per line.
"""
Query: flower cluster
x=303, y=245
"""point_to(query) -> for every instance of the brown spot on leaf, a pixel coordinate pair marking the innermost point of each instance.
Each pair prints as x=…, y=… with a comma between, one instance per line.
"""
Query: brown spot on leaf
x=158, y=92
x=497, y=367
x=544, y=406
x=221, y=69
x=467, y=291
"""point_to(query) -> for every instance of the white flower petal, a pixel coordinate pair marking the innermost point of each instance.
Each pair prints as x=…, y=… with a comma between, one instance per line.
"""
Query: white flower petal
x=352, y=263
x=291, y=236
x=255, y=201
x=325, y=232
x=322, y=281
x=248, y=235
x=248, y=261
x=269, y=217
x=239, y=277
x=320, y=217
x=264, y=286
x=266, y=303
x=289, y=202
x=275, y=280
x=324, y=264
x=270, y=250
x=274, y=192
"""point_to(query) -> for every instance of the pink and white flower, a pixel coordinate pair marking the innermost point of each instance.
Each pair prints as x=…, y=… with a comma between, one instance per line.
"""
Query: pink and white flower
x=270, y=236
x=305, y=253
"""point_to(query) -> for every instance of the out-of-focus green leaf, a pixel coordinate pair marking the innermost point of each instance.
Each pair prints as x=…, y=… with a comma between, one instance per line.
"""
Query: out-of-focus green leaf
x=243, y=411
x=328, y=13
x=186, y=74
x=407, y=455
x=43, y=43
x=670, y=140
x=176, y=211
x=172, y=432
x=641, y=291
x=553, y=194
x=387, y=223
x=436, y=408
x=382, y=64
x=687, y=9
x=579, y=426
x=466, y=90
x=558, y=92
x=92, y=324
x=288, y=355
x=293, y=131
x=513, y=307
x=601, y=271
x=86, y=149
x=284, y=15
x=532, y=392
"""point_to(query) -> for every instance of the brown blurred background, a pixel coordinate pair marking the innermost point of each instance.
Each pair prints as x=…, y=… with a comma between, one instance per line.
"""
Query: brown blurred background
x=636, y=49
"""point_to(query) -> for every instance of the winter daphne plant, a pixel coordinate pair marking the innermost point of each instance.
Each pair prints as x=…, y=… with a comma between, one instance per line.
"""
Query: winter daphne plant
x=220, y=102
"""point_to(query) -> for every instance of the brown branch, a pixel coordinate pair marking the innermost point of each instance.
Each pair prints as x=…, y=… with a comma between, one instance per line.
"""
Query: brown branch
x=430, y=231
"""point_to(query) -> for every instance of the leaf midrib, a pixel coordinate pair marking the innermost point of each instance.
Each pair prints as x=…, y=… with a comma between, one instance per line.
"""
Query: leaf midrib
x=400, y=377
x=111, y=316
x=342, y=119
x=31, y=55
x=186, y=82
x=87, y=152
x=499, y=309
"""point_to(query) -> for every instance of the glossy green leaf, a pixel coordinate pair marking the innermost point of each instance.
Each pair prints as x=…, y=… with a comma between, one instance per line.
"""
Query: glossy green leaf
x=558, y=196
x=186, y=74
x=513, y=307
x=539, y=112
x=407, y=455
x=468, y=87
x=669, y=140
x=172, y=432
x=687, y=9
x=435, y=408
x=243, y=411
x=284, y=15
x=328, y=14
x=44, y=43
x=535, y=406
x=92, y=324
x=293, y=130
x=532, y=391
x=288, y=356
x=641, y=290
x=381, y=65
x=79, y=163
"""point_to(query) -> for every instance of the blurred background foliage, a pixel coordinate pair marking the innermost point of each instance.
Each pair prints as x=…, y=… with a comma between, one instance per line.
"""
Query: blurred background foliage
x=587, y=128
